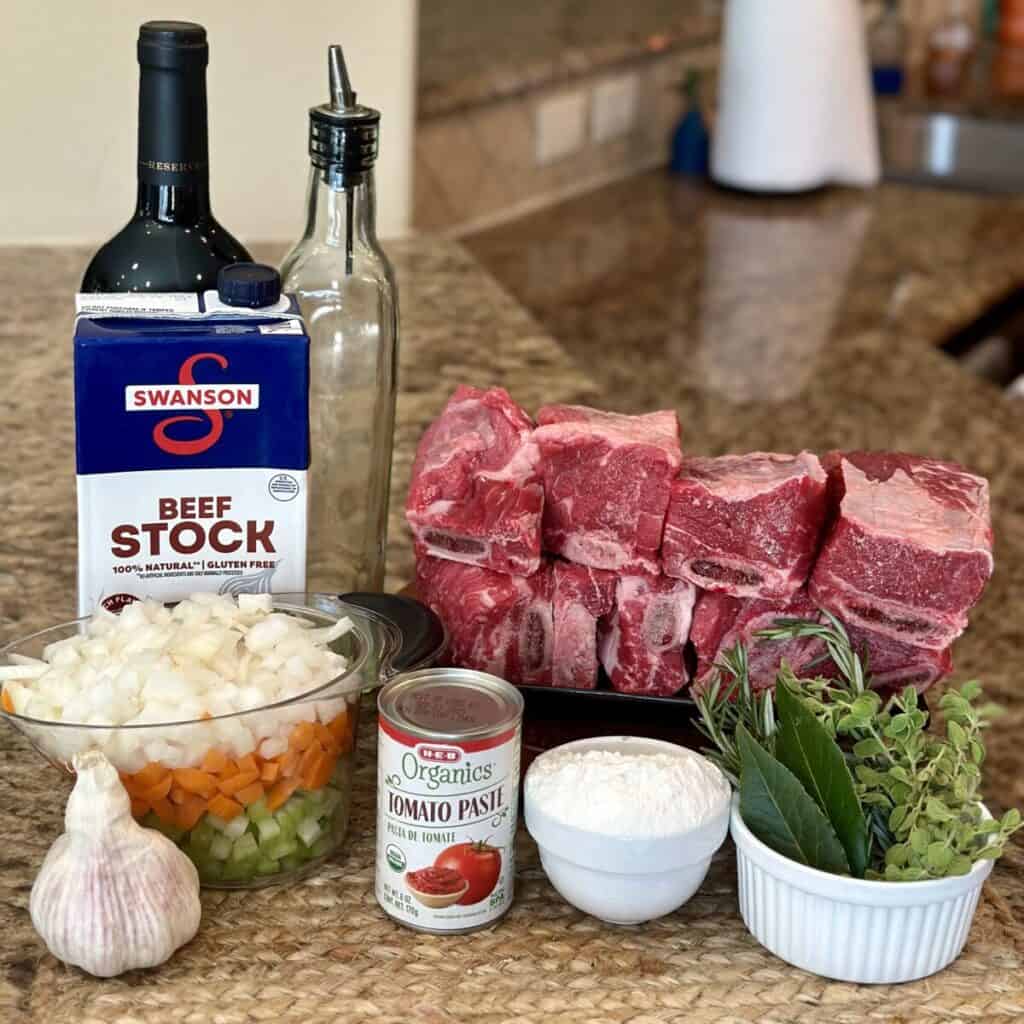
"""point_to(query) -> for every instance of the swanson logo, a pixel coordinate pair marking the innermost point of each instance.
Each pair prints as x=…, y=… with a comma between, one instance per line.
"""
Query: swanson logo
x=210, y=398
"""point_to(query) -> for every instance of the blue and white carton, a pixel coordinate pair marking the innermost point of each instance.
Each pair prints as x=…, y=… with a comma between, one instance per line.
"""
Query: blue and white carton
x=192, y=446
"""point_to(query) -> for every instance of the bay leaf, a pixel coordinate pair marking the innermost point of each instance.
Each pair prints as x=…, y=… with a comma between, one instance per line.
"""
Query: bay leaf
x=805, y=747
x=780, y=812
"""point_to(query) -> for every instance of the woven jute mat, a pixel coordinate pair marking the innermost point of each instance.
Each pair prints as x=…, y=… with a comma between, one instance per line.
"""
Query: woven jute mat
x=322, y=950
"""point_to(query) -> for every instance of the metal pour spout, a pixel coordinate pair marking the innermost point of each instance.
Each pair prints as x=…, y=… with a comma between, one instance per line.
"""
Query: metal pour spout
x=343, y=96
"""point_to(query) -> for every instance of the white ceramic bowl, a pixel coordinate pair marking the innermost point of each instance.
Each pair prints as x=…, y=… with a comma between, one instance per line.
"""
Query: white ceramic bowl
x=623, y=881
x=852, y=929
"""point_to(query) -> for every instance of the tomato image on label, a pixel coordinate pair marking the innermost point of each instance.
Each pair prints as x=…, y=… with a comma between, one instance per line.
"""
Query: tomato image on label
x=478, y=862
x=436, y=887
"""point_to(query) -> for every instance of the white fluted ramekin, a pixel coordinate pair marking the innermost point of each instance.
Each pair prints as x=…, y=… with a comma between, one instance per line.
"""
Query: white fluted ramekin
x=851, y=929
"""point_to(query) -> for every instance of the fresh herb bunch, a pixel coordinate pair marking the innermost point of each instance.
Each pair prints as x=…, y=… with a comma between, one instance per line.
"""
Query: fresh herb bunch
x=917, y=792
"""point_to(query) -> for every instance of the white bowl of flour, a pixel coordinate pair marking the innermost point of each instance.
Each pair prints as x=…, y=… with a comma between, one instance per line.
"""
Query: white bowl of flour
x=626, y=826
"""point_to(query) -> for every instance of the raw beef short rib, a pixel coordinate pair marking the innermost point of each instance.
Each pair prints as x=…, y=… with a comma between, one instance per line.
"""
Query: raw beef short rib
x=495, y=622
x=641, y=643
x=720, y=621
x=747, y=525
x=476, y=494
x=606, y=484
x=581, y=596
x=910, y=548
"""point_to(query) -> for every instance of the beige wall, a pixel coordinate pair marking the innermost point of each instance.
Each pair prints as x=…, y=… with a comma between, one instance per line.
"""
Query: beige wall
x=69, y=95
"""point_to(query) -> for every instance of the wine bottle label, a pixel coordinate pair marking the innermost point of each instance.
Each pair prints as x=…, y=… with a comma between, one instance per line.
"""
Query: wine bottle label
x=192, y=449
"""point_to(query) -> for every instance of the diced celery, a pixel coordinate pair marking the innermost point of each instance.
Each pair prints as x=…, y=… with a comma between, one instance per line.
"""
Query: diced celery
x=280, y=847
x=286, y=825
x=321, y=846
x=314, y=797
x=245, y=848
x=198, y=845
x=220, y=848
x=266, y=866
x=203, y=834
x=237, y=872
x=268, y=829
x=332, y=797
x=258, y=811
x=236, y=826
x=291, y=862
x=309, y=831
x=218, y=824
x=209, y=870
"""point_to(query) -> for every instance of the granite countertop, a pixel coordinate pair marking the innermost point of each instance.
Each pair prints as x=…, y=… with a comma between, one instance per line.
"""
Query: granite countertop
x=779, y=345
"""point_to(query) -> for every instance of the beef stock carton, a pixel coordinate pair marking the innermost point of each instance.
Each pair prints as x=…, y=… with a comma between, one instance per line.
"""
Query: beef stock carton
x=192, y=447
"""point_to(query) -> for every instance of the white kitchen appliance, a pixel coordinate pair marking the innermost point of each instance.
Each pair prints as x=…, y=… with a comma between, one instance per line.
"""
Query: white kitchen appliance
x=795, y=104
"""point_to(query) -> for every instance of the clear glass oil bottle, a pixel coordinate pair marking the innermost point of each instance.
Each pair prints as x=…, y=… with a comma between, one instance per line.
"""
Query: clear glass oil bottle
x=346, y=291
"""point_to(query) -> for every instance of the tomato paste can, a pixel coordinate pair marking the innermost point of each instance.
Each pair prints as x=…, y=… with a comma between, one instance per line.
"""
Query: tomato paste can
x=447, y=798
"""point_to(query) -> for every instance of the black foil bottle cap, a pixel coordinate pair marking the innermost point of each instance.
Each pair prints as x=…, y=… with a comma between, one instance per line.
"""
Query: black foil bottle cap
x=173, y=45
x=253, y=285
x=342, y=133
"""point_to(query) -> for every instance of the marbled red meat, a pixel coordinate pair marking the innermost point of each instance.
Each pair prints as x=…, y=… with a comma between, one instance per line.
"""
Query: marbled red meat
x=641, y=643
x=606, y=484
x=475, y=495
x=910, y=548
x=747, y=525
x=720, y=621
x=495, y=622
x=581, y=596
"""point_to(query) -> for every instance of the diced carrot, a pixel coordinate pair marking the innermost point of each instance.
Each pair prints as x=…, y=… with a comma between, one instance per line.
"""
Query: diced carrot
x=164, y=810
x=320, y=772
x=224, y=808
x=302, y=736
x=270, y=771
x=338, y=727
x=194, y=780
x=151, y=774
x=250, y=794
x=135, y=789
x=229, y=787
x=324, y=736
x=139, y=808
x=205, y=716
x=229, y=770
x=177, y=794
x=190, y=811
x=289, y=761
x=8, y=703
x=248, y=764
x=161, y=789
x=214, y=762
x=280, y=793
x=309, y=758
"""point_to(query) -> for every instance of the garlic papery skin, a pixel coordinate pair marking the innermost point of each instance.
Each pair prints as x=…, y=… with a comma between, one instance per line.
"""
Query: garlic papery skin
x=111, y=895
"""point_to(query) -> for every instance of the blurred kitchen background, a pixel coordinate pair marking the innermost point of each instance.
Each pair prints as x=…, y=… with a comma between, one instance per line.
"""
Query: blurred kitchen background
x=541, y=134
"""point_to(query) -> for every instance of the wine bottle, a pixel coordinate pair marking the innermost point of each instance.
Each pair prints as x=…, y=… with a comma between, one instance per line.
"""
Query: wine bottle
x=173, y=242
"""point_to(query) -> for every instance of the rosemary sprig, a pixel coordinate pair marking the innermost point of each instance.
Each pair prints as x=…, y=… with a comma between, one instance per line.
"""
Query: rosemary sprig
x=728, y=701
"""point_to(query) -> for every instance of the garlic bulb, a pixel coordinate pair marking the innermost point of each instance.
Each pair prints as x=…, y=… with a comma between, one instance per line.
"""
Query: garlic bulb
x=111, y=895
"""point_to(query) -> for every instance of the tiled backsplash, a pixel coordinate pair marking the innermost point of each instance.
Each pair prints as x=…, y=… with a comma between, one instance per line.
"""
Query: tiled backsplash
x=477, y=166
x=483, y=77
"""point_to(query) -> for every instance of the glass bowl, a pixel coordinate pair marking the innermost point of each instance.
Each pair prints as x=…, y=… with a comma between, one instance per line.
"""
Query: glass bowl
x=263, y=795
